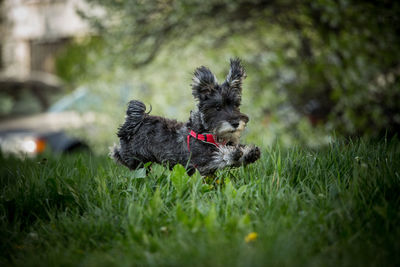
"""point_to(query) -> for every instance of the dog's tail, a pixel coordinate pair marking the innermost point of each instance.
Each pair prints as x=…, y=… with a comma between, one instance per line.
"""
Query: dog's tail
x=134, y=118
x=136, y=110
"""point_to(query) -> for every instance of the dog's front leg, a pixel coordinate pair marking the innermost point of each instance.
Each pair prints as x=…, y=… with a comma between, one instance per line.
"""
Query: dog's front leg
x=235, y=156
x=230, y=156
x=250, y=154
x=225, y=156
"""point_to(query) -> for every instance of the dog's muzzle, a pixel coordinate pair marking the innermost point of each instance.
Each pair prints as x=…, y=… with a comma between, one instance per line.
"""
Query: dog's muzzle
x=230, y=132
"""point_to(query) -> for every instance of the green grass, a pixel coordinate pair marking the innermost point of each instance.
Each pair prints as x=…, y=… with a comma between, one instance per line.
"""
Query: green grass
x=338, y=206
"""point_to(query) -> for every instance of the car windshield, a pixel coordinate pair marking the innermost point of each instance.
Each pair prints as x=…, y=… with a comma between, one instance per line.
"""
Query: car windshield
x=24, y=101
x=80, y=100
x=28, y=94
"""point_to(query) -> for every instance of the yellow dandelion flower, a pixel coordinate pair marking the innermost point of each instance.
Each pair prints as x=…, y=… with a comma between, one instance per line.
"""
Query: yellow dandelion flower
x=251, y=237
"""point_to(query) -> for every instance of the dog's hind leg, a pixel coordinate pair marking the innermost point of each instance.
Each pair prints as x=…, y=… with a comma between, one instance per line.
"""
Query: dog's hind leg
x=132, y=163
x=116, y=155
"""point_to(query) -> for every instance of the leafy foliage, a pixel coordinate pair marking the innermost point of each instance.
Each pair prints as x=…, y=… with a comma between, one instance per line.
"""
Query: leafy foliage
x=332, y=62
x=79, y=55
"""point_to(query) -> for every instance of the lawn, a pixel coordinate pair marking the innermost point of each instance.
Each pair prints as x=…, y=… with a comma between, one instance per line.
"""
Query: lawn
x=336, y=206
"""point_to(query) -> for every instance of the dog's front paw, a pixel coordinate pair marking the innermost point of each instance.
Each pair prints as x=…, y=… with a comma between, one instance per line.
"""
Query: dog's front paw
x=253, y=154
x=236, y=155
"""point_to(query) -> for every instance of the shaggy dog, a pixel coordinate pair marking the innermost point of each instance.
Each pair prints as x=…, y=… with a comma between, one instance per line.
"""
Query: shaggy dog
x=208, y=141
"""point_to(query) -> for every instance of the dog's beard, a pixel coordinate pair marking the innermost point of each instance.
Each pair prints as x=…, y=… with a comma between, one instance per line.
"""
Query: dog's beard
x=227, y=134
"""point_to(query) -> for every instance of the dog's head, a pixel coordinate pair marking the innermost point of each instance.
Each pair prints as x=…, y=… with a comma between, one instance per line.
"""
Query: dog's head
x=219, y=104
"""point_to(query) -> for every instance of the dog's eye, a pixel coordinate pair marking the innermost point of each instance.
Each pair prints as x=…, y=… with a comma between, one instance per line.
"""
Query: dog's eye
x=218, y=108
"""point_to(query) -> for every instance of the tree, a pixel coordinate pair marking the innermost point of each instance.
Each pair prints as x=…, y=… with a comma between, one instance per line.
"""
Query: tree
x=335, y=61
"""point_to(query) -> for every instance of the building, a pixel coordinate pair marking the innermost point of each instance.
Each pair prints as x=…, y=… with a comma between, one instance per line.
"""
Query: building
x=33, y=32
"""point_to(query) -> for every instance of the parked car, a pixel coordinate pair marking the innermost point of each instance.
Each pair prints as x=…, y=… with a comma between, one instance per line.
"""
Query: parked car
x=32, y=121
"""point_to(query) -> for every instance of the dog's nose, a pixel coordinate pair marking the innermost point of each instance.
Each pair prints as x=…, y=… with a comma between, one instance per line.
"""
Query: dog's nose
x=235, y=124
x=245, y=118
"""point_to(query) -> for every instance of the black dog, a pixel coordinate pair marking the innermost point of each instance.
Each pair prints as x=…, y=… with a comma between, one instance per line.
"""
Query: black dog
x=207, y=142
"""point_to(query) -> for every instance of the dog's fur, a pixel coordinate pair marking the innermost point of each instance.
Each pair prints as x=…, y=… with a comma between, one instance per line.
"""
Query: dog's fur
x=145, y=138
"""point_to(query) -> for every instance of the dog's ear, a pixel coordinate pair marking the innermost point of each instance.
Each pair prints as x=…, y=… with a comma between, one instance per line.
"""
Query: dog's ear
x=204, y=82
x=236, y=75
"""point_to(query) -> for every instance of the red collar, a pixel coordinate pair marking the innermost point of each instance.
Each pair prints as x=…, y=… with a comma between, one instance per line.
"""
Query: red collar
x=206, y=138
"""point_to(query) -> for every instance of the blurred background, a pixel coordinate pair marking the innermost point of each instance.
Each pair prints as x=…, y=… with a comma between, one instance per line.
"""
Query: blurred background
x=316, y=69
